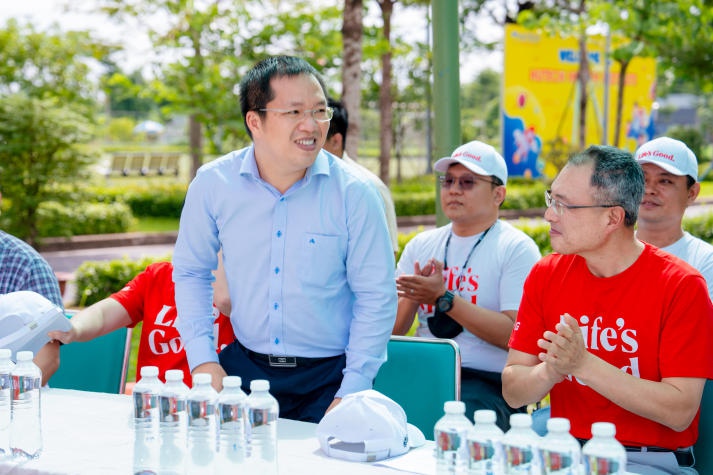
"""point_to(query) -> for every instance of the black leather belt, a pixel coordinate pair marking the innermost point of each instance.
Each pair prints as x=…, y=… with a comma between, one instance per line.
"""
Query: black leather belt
x=280, y=361
x=684, y=457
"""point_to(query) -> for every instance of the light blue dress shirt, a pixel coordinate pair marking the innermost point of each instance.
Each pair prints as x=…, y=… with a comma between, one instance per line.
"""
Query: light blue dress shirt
x=310, y=272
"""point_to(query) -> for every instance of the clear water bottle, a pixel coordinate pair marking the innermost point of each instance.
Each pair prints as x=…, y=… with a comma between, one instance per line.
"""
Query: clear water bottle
x=25, y=419
x=6, y=366
x=202, y=407
x=603, y=454
x=559, y=451
x=450, y=434
x=484, y=439
x=520, y=447
x=146, y=421
x=173, y=424
x=263, y=411
x=232, y=425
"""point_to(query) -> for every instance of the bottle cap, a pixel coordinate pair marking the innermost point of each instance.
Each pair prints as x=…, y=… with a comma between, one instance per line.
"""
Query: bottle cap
x=202, y=378
x=454, y=407
x=5, y=353
x=484, y=416
x=603, y=429
x=232, y=381
x=147, y=371
x=24, y=356
x=558, y=424
x=520, y=420
x=174, y=375
x=259, y=385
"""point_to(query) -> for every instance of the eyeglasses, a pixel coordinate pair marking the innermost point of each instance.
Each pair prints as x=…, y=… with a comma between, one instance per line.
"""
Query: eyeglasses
x=560, y=207
x=465, y=182
x=323, y=114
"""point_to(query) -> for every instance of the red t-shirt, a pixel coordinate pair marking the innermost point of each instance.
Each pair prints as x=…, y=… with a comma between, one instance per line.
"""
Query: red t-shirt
x=654, y=320
x=150, y=298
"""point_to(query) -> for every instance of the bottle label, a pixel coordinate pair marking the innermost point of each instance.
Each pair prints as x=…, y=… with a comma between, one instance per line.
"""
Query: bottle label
x=594, y=465
x=558, y=462
x=518, y=458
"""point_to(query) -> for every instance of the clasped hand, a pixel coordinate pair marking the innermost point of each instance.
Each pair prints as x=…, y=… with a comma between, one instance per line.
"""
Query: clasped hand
x=425, y=285
x=564, y=351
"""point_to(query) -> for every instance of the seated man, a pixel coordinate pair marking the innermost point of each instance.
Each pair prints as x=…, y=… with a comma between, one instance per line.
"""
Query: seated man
x=148, y=298
x=23, y=268
x=614, y=329
x=465, y=279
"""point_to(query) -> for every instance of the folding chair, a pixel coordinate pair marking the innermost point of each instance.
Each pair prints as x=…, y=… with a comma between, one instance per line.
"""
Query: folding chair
x=97, y=365
x=421, y=374
x=703, y=449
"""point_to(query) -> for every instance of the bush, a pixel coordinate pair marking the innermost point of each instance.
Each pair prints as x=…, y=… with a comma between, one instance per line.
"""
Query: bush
x=97, y=280
x=58, y=219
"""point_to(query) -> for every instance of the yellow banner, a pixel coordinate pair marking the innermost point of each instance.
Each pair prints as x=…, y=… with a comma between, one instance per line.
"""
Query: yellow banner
x=540, y=107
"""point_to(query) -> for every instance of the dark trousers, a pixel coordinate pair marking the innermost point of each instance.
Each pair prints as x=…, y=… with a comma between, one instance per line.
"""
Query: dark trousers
x=484, y=390
x=303, y=392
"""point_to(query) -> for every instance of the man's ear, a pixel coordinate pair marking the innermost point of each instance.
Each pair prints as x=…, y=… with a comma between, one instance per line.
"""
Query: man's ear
x=253, y=121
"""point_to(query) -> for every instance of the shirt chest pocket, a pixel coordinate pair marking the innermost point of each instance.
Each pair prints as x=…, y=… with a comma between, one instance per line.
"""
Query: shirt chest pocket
x=322, y=259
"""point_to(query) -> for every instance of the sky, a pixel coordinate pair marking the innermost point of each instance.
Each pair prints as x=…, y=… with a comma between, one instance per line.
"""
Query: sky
x=45, y=12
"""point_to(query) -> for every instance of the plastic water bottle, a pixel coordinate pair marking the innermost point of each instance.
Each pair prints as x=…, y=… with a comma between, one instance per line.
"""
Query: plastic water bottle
x=6, y=366
x=450, y=434
x=520, y=447
x=202, y=407
x=603, y=454
x=263, y=411
x=173, y=424
x=232, y=425
x=485, y=452
x=146, y=421
x=26, y=422
x=560, y=452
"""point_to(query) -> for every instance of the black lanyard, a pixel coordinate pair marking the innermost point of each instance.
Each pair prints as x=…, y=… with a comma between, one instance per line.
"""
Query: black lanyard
x=462, y=269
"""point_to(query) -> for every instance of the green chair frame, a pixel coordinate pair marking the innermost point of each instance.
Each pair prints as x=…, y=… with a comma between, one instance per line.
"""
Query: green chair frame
x=421, y=374
x=98, y=365
x=703, y=449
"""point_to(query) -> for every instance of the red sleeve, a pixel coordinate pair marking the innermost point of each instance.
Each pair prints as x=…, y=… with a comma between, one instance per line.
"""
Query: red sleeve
x=154, y=280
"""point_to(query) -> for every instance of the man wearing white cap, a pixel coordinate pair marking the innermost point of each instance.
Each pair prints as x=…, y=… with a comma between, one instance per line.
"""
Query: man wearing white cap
x=465, y=279
x=671, y=174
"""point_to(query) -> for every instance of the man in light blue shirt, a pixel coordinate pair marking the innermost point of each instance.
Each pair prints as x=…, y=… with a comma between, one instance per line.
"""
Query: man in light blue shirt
x=305, y=246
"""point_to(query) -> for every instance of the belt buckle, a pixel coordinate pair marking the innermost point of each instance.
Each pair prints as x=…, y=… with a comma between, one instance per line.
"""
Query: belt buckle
x=277, y=361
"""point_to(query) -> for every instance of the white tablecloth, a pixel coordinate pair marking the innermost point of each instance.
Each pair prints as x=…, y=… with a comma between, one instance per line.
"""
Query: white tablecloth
x=90, y=434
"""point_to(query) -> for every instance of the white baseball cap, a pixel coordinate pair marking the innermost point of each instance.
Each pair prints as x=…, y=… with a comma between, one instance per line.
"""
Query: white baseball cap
x=365, y=427
x=670, y=154
x=477, y=157
x=25, y=319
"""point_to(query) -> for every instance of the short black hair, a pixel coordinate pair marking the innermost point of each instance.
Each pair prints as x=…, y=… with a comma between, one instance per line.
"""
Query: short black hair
x=255, y=90
x=340, y=120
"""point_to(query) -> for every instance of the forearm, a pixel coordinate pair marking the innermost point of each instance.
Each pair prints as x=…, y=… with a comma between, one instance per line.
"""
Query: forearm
x=99, y=319
x=405, y=315
x=488, y=325
x=523, y=385
x=672, y=402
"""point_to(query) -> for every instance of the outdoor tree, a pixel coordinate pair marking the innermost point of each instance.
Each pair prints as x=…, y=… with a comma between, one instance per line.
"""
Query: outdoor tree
x=39, y=148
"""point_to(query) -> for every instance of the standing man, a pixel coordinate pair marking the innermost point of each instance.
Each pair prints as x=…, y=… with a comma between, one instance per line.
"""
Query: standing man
x=465, y=279
x=336, y=143
x=671, y=177
x=23, y=268
x=614, y=329
x=305, y=247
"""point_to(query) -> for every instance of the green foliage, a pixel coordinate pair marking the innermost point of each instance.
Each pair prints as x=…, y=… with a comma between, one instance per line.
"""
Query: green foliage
x=58, y=219
x=691, y=136
x=700, y=226
x=120, y=130
x=39, y=147
x=98, y=280
x=415, y=204
x=539, y=231
x=161, y=199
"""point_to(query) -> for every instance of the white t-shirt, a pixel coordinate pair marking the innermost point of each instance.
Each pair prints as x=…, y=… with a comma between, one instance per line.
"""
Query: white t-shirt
x=493, y=279
x=698, y=253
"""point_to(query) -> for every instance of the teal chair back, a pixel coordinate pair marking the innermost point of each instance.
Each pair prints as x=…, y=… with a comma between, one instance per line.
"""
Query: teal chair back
x=704, y=446
x=97, y=365
x=421, y=374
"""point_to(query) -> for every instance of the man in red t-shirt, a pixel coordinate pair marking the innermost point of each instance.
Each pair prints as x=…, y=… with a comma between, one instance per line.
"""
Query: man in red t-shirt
x=148, y=298
x=613, y=329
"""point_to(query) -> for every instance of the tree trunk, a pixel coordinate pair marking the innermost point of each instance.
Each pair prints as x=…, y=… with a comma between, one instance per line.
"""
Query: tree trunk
x=352, y=31
x=583, y=79
x=386, y=113
x=623, y=66
x=195, y=138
